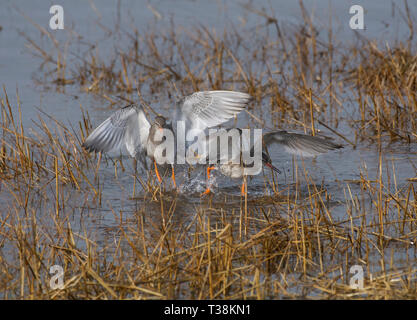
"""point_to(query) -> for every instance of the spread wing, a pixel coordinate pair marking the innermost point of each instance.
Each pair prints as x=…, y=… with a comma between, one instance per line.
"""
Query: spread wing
x=300, y=144
x=206, y=109
x=126, y=128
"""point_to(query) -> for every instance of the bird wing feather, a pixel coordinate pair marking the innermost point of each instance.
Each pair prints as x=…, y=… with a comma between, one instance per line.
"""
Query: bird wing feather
x=300, y=144
x=127, y=127
x=206, y=109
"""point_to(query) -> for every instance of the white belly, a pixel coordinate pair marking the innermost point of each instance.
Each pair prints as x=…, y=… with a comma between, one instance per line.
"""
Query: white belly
x=231, y=170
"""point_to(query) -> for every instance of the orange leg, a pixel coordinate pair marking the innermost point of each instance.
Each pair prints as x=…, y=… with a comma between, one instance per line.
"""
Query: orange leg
x=173, y=177
x=208, y=191
x=208, y=177
x=243, y=188
x=209, y=169
x=156, y=172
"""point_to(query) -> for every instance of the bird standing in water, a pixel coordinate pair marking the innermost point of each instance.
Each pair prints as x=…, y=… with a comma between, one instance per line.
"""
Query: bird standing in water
x=129, y=129
x=293, y=143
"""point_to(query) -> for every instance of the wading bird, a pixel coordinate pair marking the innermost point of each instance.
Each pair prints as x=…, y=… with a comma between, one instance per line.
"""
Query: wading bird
x=293, y=143
x=129, y=129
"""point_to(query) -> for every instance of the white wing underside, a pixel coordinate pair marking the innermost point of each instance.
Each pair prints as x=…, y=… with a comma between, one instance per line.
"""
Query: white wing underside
x=206, y=109
x=127, y=129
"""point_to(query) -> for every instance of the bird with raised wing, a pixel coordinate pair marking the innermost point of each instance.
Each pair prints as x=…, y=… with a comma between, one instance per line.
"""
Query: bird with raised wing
x=129, y=129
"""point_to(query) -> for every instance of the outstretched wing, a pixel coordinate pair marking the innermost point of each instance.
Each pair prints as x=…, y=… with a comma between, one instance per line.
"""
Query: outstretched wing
x=206, y=109
x=127, y=127
x=300, y=144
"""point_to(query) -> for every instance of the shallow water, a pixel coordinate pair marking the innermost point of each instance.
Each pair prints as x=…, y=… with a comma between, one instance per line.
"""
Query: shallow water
x=18, y=67
x=20, y=70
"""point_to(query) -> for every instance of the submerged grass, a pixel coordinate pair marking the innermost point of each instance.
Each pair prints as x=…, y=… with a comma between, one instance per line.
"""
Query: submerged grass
x=289, y=243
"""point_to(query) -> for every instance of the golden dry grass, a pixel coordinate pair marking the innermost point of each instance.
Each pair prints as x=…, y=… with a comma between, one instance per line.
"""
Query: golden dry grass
x=290, y=244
